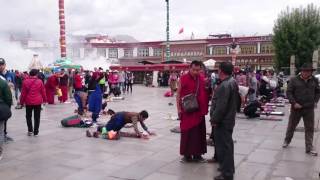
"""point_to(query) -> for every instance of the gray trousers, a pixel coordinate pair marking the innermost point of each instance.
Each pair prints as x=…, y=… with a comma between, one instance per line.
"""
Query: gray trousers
x=224, y=148
x=1, y=135
x=308, y=120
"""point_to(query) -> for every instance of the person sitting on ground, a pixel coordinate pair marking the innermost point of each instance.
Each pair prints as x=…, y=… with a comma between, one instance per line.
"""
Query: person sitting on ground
x=243, y=92
x=119, y=120
x=251, y=109
x=265, y=86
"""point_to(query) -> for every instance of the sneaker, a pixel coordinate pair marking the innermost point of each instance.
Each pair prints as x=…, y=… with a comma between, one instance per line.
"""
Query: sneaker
x=199, y=159
x=8, y=138
x=186, y=159
x=35, y=133
x=312, y=153
x=222, y=177
x=94, y=125
x=18, y=107
x=285, y=144
x=30, y=133
x=176, y=130
x=213, y=160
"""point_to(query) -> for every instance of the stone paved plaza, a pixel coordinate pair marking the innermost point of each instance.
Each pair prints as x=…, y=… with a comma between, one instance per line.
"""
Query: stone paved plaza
x=66, y=154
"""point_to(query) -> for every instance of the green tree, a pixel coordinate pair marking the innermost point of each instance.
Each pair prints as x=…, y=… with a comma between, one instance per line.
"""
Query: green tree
x=296, y=32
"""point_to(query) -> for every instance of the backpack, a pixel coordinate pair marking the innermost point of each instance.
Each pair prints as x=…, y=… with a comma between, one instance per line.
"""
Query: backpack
x=75, y=121
x=5, y=112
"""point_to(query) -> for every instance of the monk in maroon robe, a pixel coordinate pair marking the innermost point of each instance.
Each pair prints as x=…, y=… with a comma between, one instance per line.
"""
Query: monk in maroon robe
x=51, y=88
x=193, y=127
x=63, y=85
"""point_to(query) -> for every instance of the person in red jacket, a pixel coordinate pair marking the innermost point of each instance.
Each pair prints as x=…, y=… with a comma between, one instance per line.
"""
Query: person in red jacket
x=33, y=94
x=51, y=87
x=77, y=82
x=78, y=91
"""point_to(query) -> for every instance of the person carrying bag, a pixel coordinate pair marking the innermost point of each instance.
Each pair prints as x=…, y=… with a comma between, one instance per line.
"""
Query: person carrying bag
x=190, y=102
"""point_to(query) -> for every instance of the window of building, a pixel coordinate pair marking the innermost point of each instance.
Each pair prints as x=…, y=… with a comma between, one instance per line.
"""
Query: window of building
x=128, y=52
x=101, y=52
x=208, y=51
x=219, y=50
x=88, y=52
x=248, y=49
x=157, y=52
x=113, y=53
x=76, y=52
x=267, y=48
x=143, y=52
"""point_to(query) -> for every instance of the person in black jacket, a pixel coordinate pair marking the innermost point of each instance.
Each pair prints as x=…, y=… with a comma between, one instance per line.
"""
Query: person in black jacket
x=222, y=117
x=5, y=112
x=303, y=93
x=8, y=78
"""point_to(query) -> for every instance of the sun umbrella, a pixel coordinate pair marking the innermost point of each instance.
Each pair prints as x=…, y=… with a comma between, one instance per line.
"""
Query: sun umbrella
x=210, y=63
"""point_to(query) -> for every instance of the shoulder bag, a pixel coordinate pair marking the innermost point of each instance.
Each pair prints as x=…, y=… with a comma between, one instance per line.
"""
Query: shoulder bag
x=190, y=102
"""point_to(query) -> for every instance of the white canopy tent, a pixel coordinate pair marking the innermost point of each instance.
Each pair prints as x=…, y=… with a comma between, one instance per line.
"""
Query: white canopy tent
x=35, y=63
x=210, y=64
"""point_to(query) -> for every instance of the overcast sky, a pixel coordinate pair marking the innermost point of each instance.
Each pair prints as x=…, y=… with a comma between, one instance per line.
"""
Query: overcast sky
x=145, y=19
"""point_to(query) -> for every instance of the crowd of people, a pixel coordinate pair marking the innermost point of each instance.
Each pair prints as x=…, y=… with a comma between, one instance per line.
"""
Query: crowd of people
x=193, y=96
x=228, y=89
x=32, y=90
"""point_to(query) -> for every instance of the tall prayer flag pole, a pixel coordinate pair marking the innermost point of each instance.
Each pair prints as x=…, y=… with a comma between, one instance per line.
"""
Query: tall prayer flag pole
x=168, y=34
x=62, y=22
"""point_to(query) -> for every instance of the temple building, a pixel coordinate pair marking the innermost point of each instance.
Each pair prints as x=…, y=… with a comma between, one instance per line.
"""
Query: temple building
x=254, y=51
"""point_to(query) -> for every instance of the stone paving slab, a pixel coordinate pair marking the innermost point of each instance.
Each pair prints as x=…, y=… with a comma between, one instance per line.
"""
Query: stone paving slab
x=66, y=154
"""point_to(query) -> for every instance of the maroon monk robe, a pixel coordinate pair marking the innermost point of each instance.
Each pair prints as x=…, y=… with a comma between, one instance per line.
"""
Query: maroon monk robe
x=63, y=85
x=51, y=88
x=192, y=125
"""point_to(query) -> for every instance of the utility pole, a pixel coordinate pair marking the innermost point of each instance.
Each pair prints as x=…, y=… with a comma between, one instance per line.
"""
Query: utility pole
x=168, y=34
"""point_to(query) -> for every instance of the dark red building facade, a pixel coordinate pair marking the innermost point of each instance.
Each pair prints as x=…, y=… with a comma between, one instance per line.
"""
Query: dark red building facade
x=254, y=51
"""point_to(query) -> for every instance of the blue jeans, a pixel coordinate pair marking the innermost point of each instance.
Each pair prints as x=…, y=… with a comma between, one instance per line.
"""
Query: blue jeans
x=95, y=116
x=17, y=93
x=78, y=100
x=122, y=87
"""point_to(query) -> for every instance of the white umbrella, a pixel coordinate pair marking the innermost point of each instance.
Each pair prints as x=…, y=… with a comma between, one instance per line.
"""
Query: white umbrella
x=35, y=63
x=210, y=63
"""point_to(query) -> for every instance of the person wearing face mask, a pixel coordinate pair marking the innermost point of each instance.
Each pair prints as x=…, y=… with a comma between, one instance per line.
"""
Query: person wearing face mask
x=303, y=93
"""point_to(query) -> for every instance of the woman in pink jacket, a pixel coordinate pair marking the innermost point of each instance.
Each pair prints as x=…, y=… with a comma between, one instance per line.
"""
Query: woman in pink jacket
x=33, y=94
